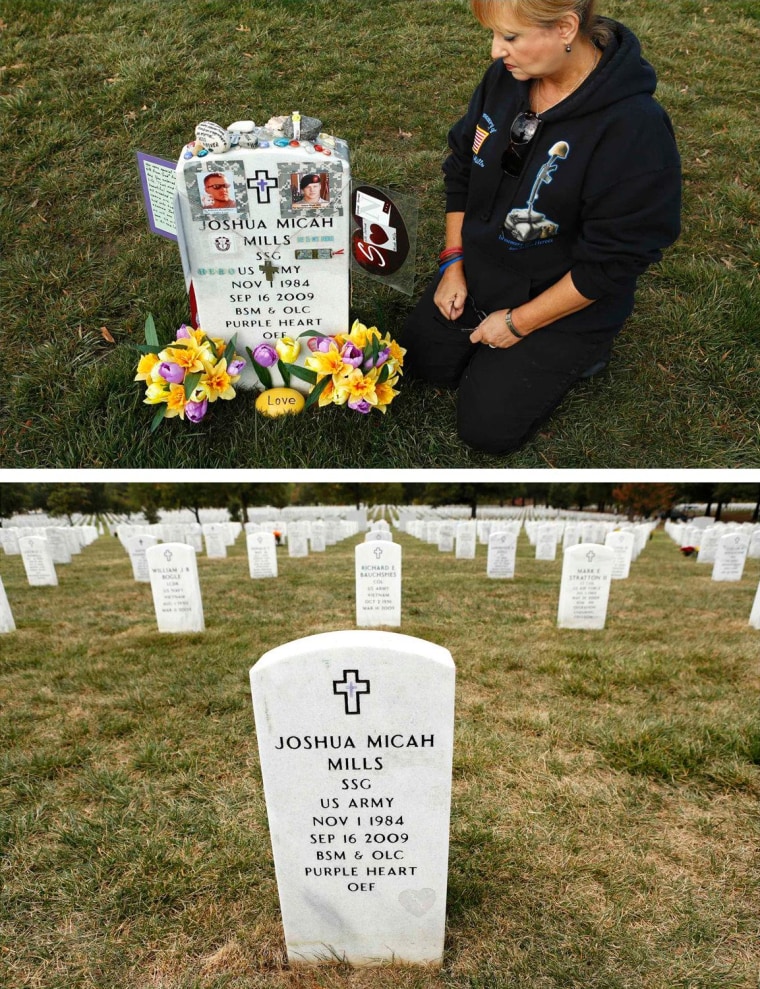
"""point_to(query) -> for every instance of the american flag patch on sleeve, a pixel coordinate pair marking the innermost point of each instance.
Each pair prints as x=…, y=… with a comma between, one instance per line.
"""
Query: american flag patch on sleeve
x=480, y=136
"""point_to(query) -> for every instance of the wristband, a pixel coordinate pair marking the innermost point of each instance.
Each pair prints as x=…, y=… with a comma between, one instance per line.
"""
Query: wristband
x=446, y=264
x=511, y=325
x=449, y=251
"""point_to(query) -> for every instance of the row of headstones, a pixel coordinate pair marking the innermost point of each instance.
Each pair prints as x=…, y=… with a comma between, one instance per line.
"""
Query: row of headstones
x=41, y=550
x=727, y=547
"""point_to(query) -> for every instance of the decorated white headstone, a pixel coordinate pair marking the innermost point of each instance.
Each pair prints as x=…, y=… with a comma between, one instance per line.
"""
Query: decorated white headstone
x=355, y=739
x=176, y=587
x=6, y=615
x=38, y=564
x=264, y=227
x=262, y=555
x=378, y=584
x=585, y=587
x=502, y=550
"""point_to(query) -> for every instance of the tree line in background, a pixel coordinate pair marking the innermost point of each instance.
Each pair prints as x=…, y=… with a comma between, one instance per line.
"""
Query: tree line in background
x=147, y=500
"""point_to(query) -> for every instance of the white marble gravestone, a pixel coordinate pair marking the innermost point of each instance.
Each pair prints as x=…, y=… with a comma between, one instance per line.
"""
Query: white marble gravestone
x=298, y=539
x=502, y=549
x=268, y=259
x=262, y=555
x=35, y=553
x=378, y=536
x=446, y=533
x=585, y=587
x=754, y=615
x=6, y=615
x=355, y=738
x=622, y=544
x=318, y=537
x=546, y=542
x=378, y=584
x=176, y=588
x=708, y=544
x=137, y=546
x=215, y=537
x=730, y=556
x=466, y=541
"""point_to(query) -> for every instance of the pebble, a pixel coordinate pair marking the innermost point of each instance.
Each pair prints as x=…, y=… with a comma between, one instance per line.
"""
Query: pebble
x=213, y=137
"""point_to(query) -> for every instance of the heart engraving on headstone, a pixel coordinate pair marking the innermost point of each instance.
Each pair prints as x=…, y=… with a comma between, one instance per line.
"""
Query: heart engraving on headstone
x=417, y=901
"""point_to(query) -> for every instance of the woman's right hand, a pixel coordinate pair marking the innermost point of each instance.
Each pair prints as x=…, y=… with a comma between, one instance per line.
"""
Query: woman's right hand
x=451, y=294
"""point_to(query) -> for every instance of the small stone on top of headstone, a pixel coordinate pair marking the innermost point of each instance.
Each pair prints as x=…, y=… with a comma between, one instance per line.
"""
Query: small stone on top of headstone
x=310, y=128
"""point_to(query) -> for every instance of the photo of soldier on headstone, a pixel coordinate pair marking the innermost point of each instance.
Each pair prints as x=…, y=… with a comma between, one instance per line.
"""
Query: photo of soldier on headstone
x=312, y=189
x=217, y=191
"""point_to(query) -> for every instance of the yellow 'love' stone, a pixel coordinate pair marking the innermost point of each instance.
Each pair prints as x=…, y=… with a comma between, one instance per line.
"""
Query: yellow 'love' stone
x=280, y=401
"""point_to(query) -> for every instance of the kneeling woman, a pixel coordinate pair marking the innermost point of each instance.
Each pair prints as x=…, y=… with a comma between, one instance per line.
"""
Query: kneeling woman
x=563, y=184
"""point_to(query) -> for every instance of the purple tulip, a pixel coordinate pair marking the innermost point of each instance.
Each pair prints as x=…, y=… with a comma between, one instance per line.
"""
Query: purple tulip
x=195, y=411
x=183, y=333
x=381, y=358
x=319, y=345
x=360, y=405
x=235, y=366
x=171, y=372
x=265, y=355
x=351, y=354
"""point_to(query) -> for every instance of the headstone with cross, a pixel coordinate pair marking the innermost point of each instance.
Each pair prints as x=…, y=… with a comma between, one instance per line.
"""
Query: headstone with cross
x=137, y=547
x=355, y=739
x=38, y=562
x=262, y=555
x=378, y=584
x=585, y=587
x=502, y=550
x=264, y=234
x=176, y=588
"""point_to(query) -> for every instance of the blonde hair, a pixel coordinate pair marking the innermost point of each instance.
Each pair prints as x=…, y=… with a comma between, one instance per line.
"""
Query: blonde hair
x=543, y=13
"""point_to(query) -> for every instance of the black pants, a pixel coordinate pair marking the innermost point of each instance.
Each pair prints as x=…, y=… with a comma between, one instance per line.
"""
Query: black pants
x=504, y=394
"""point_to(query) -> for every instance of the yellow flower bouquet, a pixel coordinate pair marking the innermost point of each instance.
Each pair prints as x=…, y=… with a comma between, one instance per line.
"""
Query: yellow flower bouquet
x=191, y=372
x=359, y=369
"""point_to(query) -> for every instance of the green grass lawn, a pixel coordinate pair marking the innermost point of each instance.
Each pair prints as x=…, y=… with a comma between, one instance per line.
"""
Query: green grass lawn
x=84, y=85
x=604, y=822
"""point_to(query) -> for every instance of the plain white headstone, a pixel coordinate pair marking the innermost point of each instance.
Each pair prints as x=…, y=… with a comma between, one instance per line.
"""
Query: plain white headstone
x=502, y=549
x=585, y=587
x=378, y=584
x=137, y=547
x=622, y=545
x=176, y=587
x=262, y=555
x=466, y=541
x=355, y=738
x=35, y=553
x=754, y=615
x=6, y=615
x=730, y=556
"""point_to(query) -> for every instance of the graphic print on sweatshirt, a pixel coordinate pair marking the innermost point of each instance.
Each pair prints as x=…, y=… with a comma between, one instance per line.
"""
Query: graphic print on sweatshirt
x=483, y=131
x=526, y=225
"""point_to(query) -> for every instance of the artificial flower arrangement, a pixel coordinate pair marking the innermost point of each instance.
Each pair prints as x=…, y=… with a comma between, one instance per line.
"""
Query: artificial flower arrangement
x=359, y=369
x=191, y=372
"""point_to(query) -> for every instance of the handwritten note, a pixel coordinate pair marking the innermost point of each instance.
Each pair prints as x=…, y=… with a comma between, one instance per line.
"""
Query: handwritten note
x=158, y=183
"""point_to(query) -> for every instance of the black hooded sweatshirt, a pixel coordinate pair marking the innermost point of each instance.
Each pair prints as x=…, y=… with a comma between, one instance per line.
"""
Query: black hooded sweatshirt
x=599, y=194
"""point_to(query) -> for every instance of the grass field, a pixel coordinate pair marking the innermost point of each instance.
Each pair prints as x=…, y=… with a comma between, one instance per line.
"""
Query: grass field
x=604, y=826
x=86, y=84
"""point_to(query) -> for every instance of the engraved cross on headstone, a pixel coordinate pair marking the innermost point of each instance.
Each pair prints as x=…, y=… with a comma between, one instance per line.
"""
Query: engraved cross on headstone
x=352, y=688
x=591, y=556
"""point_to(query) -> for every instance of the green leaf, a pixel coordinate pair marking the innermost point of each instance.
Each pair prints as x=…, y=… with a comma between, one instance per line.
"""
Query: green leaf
x=146, y=348
x=385, y=373
x=191, y=380
x=151, y=337
x=285, y=372
x=158, y=417
x=264, y=376
x=303, y=373
x=317, y=391
x=314, y=333
x=229, y=350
